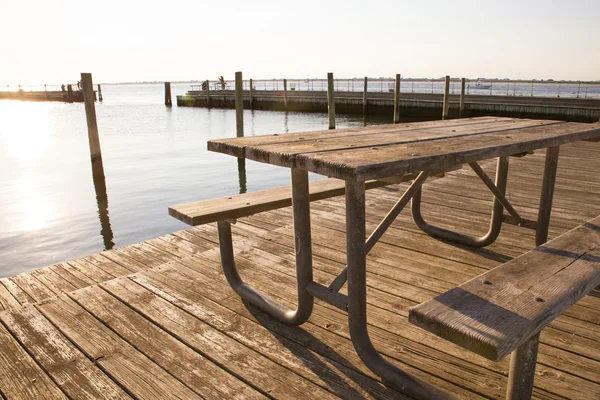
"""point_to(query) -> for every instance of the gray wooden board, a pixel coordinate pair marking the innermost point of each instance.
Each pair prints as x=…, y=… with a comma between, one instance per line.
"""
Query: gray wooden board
x=196, y=371
x=75, y=374
x=21, y=377
x=243, y=205
x=495, y=312
x=132, y=370
x=402, y=152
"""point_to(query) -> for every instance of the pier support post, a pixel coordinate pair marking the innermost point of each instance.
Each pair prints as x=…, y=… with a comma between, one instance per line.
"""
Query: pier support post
x=251, y=95
x=100, y=93
x=69, y=93
x=446, y=104
x=207, y=93
x=330, y=101
x=397, y=100
x=365, y=97
x=285, y=104
x=462, y=98
x=239, y=105
x=90, y=113
x=168, y=101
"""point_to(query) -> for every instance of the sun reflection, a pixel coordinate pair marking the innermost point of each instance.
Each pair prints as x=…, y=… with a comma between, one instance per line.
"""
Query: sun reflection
x=33, y=210
x=24, y=132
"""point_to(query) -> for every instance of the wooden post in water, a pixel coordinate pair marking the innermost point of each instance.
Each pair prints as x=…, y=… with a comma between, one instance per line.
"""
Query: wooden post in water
x=461, y=110
x=207, y=93
x=330, y=101
x=285, y=94
x=168, y=101
x=100, y=93
x=251, y=95
x=446, y=104
x=397, y=100
x=239, y=126
x=365, y=97
x=90, y=113
x=239, y=105
x=69, y=93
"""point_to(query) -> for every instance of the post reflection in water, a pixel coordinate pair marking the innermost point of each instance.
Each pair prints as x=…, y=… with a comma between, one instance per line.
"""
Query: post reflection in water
x=102, y=199
x=285, y=123
x=242, y=174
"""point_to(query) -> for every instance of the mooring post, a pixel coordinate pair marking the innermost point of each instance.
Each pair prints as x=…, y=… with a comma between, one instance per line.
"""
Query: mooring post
x=239, y=105
x=90, y=113
x=251, y=95
x=285, y=104
x=100, y=93
x=69, y=93
x=365, y=97
x=461, y=110
x=207, y=93
x=168, y=102
x=446, y=104
x=397, y=100
x=330, y=100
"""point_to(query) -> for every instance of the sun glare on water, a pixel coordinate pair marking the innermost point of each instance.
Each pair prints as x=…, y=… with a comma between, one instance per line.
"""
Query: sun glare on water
x=24, y=141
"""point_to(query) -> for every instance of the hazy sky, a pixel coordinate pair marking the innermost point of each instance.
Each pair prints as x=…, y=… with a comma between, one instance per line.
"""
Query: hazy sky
x=119, y=40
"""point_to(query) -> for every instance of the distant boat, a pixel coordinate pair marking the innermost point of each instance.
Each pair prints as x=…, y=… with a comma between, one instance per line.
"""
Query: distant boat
x=480, y=85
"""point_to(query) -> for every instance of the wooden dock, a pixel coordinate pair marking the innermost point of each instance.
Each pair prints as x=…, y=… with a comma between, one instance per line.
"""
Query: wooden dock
x=157, y=319
x=411, y=105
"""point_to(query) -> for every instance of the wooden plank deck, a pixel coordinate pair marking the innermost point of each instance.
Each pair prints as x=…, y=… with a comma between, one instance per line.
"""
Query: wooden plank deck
x=158, y=320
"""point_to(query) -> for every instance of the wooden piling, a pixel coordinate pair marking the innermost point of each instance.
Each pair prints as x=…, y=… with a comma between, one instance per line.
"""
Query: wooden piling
x=285, y=103
x=365, y=97
x=90, y=113
x=330, y=100
x=168, y=101
x=461, y=110
x=239, y=105
x=446, y=104
x=100, y=93
x=207, y=93
x=397, y=100
x=69, y=93
x=252, y=95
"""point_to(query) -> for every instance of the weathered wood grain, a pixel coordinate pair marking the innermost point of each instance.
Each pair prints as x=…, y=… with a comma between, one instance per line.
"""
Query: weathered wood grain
x=237, y=147
x=133, y=371
x=496, y=312
x=21, y=377
x=69, y=368
x=196, y=371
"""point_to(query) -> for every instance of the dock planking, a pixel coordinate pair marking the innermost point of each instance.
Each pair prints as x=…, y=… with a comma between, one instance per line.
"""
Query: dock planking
x=158, y=320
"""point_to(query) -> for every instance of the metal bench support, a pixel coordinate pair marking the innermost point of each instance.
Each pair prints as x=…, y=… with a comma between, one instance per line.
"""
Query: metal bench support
x=357, y=302
x=522, y=370
x=302, y=244
x=496, y=220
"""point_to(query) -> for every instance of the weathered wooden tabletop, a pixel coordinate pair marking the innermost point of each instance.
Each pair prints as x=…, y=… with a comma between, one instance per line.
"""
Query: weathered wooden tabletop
x=374, y=152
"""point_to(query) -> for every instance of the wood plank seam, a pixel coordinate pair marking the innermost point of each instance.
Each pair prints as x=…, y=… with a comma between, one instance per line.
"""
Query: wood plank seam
x=26, y=350
x=207, y=356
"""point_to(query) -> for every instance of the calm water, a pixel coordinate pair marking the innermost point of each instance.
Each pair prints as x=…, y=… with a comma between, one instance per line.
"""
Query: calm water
x=153, y=156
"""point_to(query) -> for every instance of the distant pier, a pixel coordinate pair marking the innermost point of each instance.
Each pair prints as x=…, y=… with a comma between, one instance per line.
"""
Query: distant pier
x=350, y=99
x=69, y=95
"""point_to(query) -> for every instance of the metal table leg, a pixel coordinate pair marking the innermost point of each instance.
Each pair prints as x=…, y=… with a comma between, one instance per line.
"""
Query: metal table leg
x=357, y=302
x=550, y=166
x=495, y=223
x=302, y=244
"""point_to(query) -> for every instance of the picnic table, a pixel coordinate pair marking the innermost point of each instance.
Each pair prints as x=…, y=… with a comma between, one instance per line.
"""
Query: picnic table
x=357, y=155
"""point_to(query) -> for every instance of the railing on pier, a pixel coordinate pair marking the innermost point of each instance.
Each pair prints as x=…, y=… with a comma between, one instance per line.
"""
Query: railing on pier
x=566, y=89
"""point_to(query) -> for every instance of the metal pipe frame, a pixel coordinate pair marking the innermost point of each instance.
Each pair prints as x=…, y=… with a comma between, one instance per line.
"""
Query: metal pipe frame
x=357, y=303
x=383, y=226
x=496, y=218
x=303, y=251
x=546, y=195
x=521, y=373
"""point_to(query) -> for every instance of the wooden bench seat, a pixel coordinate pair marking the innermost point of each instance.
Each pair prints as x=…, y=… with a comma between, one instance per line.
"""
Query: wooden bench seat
x=244, y=205
x=497, y=312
